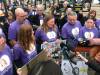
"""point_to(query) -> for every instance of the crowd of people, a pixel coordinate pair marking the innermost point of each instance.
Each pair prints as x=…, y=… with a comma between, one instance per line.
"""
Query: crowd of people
x=23, y=31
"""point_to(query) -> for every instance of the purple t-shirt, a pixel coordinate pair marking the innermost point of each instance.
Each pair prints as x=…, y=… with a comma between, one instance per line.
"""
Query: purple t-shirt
x=51, y=35
x=6, y=67
x=89, y=33
x=97, y=23
x=71, y=31
x=24, y=57
x=14, y=28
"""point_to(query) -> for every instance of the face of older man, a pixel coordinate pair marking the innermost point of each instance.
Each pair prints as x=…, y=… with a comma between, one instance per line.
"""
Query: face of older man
x=21, y=17
x=72, y=19
x=40, y=9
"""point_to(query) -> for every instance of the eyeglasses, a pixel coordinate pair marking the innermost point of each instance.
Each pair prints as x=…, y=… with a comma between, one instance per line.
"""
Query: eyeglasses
x=22, y=16
x=39, y=10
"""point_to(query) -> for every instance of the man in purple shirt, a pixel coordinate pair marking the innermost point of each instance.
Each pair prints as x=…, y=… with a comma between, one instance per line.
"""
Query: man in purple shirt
x=6, y=59
x=72, y=27
x=14, y=27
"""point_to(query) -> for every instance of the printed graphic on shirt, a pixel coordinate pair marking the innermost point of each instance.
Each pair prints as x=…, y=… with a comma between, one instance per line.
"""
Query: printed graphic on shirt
x=51, y=35
x=89, y=35
x=4, y=62
x=75, y=31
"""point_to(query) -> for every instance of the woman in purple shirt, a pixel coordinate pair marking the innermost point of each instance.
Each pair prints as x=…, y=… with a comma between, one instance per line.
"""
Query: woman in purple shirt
x=24, y=49
x=89, y=31
x=46, y=32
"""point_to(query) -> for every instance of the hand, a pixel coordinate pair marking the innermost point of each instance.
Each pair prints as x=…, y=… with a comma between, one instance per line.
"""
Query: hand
x=22, y=72
x=95, y=41
x=19, y=72
x=58, y=41
x=82, y=57
x=48, y=53
x=91, y=42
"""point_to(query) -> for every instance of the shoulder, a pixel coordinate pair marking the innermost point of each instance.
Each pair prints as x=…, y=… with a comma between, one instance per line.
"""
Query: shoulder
x=17, y=47
x=78, y=22
x=83, y=28
x=39, y=29
x=13, y=24
x=65, y=25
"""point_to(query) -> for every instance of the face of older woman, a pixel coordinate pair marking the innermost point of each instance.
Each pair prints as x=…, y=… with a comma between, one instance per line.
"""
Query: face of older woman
x=51, y=23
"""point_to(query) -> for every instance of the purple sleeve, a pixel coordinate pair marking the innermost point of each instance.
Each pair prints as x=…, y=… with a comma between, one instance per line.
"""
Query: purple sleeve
x=12, y=33
x=97, y=33
x=79, y=23
x=16, y=52
x=37, y=34
x=81, y=35
x=64, y=32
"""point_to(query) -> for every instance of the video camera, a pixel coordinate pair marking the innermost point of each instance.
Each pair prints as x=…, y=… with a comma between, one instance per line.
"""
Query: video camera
x=83, y=42
x=57, y=50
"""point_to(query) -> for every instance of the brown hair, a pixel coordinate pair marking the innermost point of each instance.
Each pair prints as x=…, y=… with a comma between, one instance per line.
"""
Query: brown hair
x=92, y=11
x=45, y=26
x=25, y=36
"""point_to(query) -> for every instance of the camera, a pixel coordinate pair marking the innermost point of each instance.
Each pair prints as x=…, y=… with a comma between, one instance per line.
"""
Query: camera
x=83, y=42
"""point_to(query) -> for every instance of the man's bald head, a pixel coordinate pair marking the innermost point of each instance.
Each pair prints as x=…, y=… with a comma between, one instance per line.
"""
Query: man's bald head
x=20, y=15
x=40, y=9
x=19, y=11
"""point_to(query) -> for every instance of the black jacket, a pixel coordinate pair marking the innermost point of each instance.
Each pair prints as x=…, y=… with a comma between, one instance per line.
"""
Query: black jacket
x=34, y=19
x=46, y=68
x=95, y=65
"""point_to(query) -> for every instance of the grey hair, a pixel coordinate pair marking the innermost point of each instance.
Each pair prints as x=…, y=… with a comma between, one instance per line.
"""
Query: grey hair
x=19, y=10
x=39, y=6
x=72, y=14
